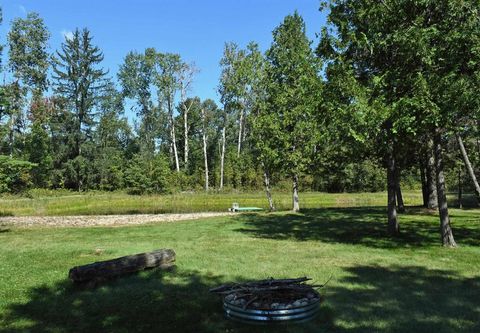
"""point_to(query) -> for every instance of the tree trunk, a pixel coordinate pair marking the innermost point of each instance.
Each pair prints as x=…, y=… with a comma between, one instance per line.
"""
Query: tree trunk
x=185, y=133
x=104, y=270
x=11, y=134
x=222, y=157
x=431, y=183
x=239, y=143
x=296, y=204
x=424, y=185
x=478, y=141
x=174, y=145
x=469, y=167
x=79, y=152
x=393, y=227
x=204, y=139
x=266, y=183
x=460, y=188
x=398, y=192
x=172, y=135
x=445, y=228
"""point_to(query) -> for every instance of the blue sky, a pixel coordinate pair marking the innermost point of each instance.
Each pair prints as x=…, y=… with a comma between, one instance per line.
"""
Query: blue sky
x=197, y=30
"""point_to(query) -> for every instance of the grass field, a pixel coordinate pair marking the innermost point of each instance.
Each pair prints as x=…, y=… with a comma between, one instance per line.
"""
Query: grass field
x=68, y=203
x=378, y=284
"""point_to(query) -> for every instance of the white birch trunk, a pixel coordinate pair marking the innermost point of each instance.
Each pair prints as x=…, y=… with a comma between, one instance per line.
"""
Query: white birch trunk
x=205, y=157
x=296, y=203
x=187, y=74
x=185, y=133
x=266, y=182
x=240, y=129
x=172, y=134
x=222, y=157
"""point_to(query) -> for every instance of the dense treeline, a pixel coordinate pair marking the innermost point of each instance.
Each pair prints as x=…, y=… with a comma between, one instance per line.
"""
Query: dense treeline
x=387, y=97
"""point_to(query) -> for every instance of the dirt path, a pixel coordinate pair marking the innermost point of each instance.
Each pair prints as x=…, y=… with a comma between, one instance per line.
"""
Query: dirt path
x=101, y=220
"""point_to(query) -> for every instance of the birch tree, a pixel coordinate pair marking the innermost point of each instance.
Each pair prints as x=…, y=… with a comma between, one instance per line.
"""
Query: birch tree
x=207, y=112
x=186, y=76
x=228, y=90
x=136, y=77
x=168, y=67
x=28, y=60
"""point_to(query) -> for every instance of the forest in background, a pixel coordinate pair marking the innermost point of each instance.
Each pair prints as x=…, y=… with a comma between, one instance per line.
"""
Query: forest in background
x=63, y=122
x=387, y=97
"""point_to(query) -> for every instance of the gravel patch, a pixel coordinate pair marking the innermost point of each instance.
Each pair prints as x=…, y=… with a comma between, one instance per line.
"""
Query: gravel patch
x=102, y=220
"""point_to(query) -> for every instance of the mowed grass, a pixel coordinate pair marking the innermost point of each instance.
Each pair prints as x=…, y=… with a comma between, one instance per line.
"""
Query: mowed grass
x=61, y=203
x=377, y=283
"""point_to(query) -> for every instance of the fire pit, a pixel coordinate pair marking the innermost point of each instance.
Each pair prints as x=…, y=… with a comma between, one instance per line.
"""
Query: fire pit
x=270, y=300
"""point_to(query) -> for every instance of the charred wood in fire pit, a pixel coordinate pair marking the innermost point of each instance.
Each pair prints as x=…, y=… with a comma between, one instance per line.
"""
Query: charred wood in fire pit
x=270, y=294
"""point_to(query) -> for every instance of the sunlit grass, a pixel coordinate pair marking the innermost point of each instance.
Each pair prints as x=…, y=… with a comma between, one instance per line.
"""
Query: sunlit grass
x=98, y=203
x=378, y=284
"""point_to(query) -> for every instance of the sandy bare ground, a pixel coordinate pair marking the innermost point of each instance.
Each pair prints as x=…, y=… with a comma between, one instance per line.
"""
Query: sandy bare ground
x=102, y=220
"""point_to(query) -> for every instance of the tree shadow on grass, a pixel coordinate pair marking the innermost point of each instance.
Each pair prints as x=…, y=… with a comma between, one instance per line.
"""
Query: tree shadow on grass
x=152, y=301
x=366, y=299
x=405, y=299
x=359, y=225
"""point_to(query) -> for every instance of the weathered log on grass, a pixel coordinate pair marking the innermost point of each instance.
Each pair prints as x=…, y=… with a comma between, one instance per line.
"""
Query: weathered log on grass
x=105, y=270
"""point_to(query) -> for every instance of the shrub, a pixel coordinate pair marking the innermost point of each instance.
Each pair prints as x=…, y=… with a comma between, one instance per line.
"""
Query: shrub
x=15, y=175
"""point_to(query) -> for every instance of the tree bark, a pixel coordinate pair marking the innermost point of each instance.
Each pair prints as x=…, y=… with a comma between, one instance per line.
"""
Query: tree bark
x=185, y=133
x=398, y=192
x=172, y=135
x=240, y=129
x=204, y=139
x=424, y=185
x=431, y=183
x=296, y=203
x=11, y=135
x=469, y=167
x=393, y=227
x=186, y=74
x=445, y=228
x=460, y=191
x=222, y=157
x=105, y=270
x=266, y=183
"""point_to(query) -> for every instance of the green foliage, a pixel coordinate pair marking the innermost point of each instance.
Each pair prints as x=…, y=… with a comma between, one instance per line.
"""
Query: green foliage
x=79, y=81
x=364, y=176
x=136, y=76
x=14, y=175
x=293, y=95
x=384, y=76
x=28, y=52
x=38, y=150
x=145, y=175
x=75, y=171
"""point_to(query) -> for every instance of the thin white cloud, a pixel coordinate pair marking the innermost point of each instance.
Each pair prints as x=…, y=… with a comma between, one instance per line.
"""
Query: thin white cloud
x=67, y=34
x=22, y=9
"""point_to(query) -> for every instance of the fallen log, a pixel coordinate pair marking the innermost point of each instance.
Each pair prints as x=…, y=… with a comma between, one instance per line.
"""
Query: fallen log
x=105, y=270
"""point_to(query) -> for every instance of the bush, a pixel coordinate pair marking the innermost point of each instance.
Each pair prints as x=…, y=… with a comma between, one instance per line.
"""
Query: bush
x=15, y=175
x=147, y=175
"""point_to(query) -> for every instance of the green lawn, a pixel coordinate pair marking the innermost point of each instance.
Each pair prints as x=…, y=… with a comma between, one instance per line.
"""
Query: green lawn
x=378, y=284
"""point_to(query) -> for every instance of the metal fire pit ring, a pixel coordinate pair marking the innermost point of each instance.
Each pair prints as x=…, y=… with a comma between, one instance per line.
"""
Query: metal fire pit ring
x=297, y=314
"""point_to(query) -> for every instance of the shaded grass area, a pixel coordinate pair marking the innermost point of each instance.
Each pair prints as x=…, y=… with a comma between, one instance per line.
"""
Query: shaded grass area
x=362, y=226
x=378, y=284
